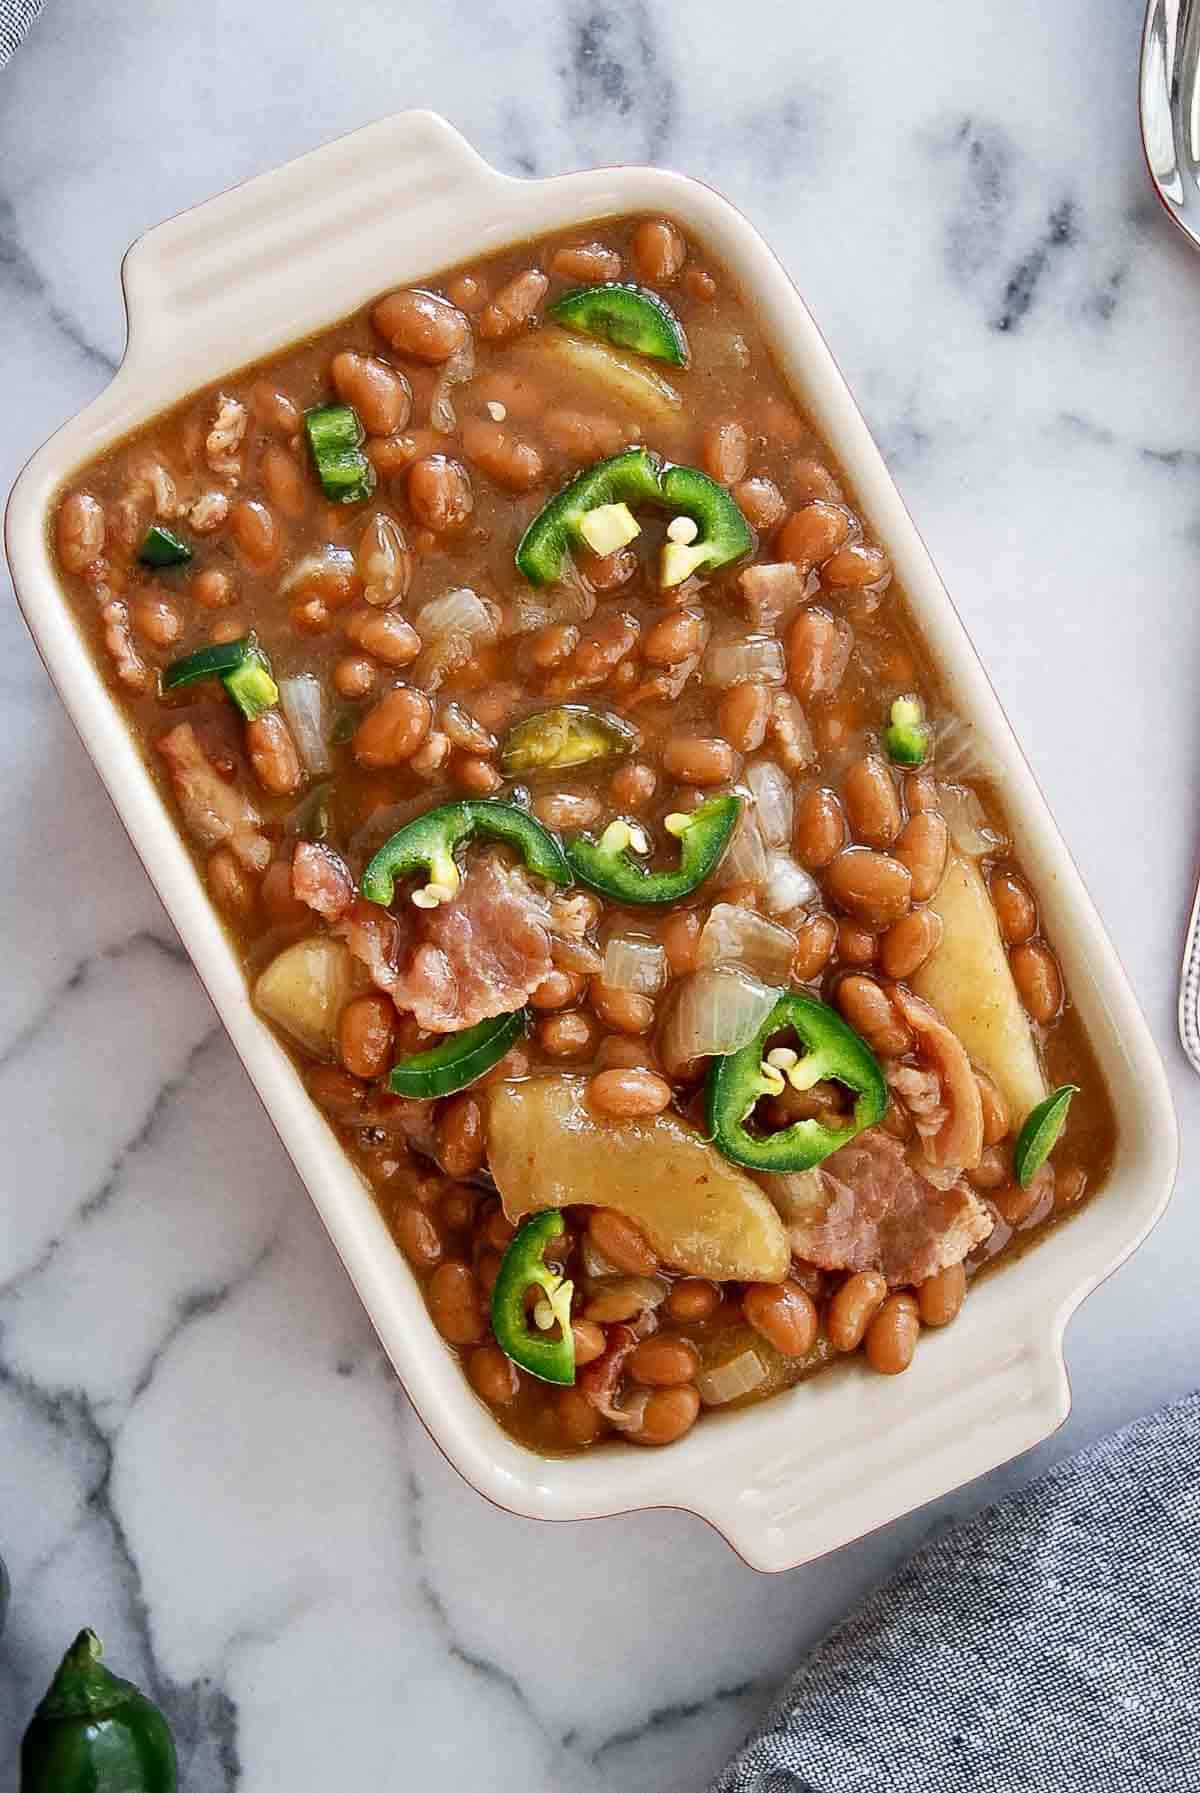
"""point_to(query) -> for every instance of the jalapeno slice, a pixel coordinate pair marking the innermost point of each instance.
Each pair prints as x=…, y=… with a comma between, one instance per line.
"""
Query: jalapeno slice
x=335, y=435
x=1040, y=1133
x=606, y=865
x=907, y=735
x=832, y=1050
x=630, y=317
x=628, y=478
x=524, y=1267
x=459, y=1060
x=568, y=735
x=242, y=668
x=161, y=547
x=429, y=844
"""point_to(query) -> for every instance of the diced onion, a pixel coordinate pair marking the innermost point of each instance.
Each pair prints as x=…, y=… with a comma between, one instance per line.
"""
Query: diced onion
x=771, y=590
x=460, y=367
x=449, y=628
x=715, y=346
x=330, y=572
x=715, y=1012
x=787, y=886
x=576, y=955
x=967, y=821
x=773, y=802
x=757, y=658
x=635, y=963
x=305, y=707
x=728, y=1381
x=959, y=751
x=745, y=861
x=794, y=742
x=736, y=936
x=639, y=1292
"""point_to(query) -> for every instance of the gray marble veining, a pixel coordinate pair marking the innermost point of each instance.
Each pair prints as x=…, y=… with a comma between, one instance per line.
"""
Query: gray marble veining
x=202, y=1451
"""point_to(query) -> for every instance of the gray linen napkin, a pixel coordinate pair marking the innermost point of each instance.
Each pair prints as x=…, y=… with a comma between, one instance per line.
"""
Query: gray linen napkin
x=1051, y=1645
x=16, y=16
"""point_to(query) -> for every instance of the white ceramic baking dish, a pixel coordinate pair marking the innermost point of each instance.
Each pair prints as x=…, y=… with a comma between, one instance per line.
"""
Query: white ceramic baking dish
x=248, y=273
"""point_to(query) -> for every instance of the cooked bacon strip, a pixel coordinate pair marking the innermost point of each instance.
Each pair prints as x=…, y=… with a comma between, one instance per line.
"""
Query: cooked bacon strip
x=321, y=878
x=598, y=1381
x=481, y=955
x=222, y=446
x=867, y=1208
x=959, y=1139
x=374, y=937
x=214, y=811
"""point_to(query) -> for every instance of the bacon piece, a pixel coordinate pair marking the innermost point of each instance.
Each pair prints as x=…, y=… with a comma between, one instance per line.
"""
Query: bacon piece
x=959, y=1139
x=598, y=1381
x=222, y=446
x=867, y=1208
x=481, y=955
x=321, y=878
x=374, y=937
x=214, y=811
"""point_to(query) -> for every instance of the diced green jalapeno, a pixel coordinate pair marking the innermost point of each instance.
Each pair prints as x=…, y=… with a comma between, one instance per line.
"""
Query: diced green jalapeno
x=629, y=317
x=715, y=528
x=607, y=866
x=242, y=668
x=907, y=734
x=549, y=1351
x=429, y=844
x=568, y=735
x=832, y=1050
x=1040, y=1133
x=163, y=548
x=460, y=1059
x=335, y=436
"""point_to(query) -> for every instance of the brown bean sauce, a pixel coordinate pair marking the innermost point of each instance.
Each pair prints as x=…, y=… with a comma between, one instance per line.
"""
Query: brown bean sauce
x=488, y=418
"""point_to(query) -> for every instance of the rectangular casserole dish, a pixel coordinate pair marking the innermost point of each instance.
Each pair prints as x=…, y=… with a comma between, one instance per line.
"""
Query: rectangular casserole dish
x=247, y=274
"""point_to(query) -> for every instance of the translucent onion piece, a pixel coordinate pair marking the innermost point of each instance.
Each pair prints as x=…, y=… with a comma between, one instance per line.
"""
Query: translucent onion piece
x=772, y=589
x=787, y=886
x=741, y=937
x=757, y=658
x=714, y=1012
x=631, y=962
x=745, y=862
x=640, y=1292
x=774, y=804
x=594, y=1262
x=305, y=706
x=967, y=821
x=460, y=367
x=792, y=736
x=576, y=955
x=728, y=1381
x=960, y=753
x=450, y=627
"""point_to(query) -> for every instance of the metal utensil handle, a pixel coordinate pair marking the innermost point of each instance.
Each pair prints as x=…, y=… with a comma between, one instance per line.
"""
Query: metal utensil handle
x=1189, y=988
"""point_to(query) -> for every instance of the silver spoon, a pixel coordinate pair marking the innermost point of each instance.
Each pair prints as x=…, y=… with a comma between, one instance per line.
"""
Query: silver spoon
x=1169, y=103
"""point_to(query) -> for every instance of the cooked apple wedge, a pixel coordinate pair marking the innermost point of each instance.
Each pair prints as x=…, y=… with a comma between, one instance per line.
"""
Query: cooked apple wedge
x=968, y=982
x=701, y=1215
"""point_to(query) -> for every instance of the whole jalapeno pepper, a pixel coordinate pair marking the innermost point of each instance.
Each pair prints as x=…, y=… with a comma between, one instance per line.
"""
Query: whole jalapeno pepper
x=95, y=1733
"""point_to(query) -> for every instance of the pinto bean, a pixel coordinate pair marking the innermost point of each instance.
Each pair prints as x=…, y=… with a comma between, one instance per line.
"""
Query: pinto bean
x=582, y=435
x=625, y=1011
x=255, y=532
x=392, y=731
x=785, y=1315
x=743, y=714
x=461, y=1142
x=856, y=565
x=230, y=885
x=725, y=451
x=421, y=325
x=813, y=533
x=664, y=1361
x=633, y=784
x=628, y=1095
x=815, y=940
x=1038, y=980
x=871, y=1012
x=79, y=531
x=691, y=1300
x=891, y=1337
x=871, y=803
x=674, y=638
x=818, y=652
x=283, y=481
x=668, y=1415
x=761, y=503
x=621, y=1242
x=514, y=464
x=853, y=1308
x=1016, y=911
x=493, y=1377
x=383, y=562
x=567, y=809
x=384, y=635
x=273, y=754
x=940, y=1296
x=909, y=942
x=699, y=760
x=157, y=618
x=380, y=394
x=586, y=262
x=870, y=886
x=566, y=1036
x=820, y=828
x=659, y=251
x=213, y=588
x=922, y=846
x=439, y=491
x=455, y=1304
x=366, y=1030
x=856, y=945
x=417, y=1235
x=811, y=480
x=514, y=305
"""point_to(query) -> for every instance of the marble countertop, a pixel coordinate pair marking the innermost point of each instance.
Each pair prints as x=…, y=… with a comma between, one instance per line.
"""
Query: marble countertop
x=202, y=1450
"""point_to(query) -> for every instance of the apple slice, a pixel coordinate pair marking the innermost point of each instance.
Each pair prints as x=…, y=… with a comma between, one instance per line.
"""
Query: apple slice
x=967, y=980
x=305, y=989
x=547, y=1149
